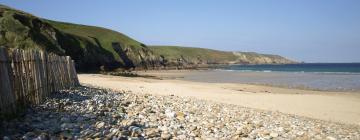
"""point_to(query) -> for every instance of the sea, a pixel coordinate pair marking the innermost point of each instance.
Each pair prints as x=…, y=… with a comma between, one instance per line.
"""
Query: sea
x=314, y=76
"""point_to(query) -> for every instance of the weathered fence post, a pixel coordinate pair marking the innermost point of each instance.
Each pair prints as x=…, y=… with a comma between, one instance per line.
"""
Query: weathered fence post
x=7, y=97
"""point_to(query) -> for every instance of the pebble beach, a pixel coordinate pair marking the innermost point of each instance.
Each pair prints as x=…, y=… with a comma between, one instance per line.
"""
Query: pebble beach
x=92, y=113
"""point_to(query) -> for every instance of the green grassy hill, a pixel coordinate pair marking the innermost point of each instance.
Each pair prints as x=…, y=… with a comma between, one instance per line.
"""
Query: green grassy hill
x=208, y=56
x=97, y=36
x=125, y=52
x=92, y=48
x=193, y=55
x=95, y=48
x=21, y=30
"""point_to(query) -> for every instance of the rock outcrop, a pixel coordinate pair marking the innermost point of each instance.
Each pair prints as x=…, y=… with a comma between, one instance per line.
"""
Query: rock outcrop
x=256, y=58
x=187, y=57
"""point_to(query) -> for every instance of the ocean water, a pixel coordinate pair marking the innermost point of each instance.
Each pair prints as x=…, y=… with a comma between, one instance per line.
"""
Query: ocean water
x=306, y=67
x=328, y=77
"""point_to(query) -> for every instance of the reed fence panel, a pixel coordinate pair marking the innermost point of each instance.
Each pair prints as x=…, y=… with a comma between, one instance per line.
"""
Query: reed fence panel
x=27, y=77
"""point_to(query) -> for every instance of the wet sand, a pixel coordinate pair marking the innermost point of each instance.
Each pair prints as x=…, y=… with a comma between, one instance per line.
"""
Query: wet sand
x=342, y=107
x=346, y=82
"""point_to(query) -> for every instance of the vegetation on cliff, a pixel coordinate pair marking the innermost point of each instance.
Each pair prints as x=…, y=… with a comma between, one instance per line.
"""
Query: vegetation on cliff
x=92, y=48
x=207, y=56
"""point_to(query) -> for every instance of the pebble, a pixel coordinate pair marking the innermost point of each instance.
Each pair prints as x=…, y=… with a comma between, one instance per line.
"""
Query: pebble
x=180, y=116
x=300, y=133
x=152, y=132
x=181, y=137
x=100, y=125
x=165, y=136
x=85, y=112
x=170, y=113
x=274, y=135
x=330, y=138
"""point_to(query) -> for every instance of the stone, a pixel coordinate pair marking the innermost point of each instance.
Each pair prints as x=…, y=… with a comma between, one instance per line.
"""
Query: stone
x=300, y=133
x=65, y=135
x=280, y=129
x=98, y=134
x=65, y=120
x=110, y=135
x=193, y=128
x=66, y=126
x=135, y=131
x=181, y=137
x=163, y=128
x=265, y=132
x=330, y=138
x=43, y=136
x=152, y=132
x=169, y=113
x=25, y=137
x=80, y=119
x=274, y=135
x=128, y=122
x=318, y=137
x=29, y=136
x=114, y=130
x=6, y=138
x=165, y=136
x=100, y=125
x=180, y=116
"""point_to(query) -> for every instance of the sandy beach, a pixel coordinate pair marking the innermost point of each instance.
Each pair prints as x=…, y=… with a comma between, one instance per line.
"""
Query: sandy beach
x=338, y=107
x=169, y=107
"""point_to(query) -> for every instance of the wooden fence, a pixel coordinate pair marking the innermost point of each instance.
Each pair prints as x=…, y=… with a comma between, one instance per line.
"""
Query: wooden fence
x=28, y=77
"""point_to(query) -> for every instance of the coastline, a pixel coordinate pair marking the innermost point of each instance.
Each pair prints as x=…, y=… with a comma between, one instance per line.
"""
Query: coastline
x=339, y=107
x=313, y=81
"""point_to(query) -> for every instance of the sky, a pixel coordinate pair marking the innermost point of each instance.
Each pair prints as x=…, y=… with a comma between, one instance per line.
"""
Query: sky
x=302, y=30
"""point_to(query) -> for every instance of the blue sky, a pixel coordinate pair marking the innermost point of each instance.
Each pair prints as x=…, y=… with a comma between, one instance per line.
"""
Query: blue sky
x=303, y=30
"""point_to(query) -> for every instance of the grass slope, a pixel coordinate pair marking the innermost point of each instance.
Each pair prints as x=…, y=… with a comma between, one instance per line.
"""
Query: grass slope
x=196, y=55
x=100, y=36
x=25, y=31
x=190, y=53
x=91, y=47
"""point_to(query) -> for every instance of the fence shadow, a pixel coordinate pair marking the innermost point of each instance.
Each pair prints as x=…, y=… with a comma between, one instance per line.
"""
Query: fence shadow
x=63, y=95
x=60, y=118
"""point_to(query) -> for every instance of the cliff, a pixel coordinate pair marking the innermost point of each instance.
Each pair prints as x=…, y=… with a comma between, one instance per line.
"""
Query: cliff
x=256, y=58
x=187, y=56
x=92, y=48
x=95, y=48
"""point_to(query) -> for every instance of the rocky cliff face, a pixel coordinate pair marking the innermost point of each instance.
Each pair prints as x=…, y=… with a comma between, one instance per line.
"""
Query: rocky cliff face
x=256, y=58
x=185, y=57
x=245, y=58
x=92, y=48
x=96, y=48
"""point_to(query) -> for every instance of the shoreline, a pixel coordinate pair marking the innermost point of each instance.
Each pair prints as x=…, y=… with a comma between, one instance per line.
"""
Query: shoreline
x=185, y=74
x=341, y=107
